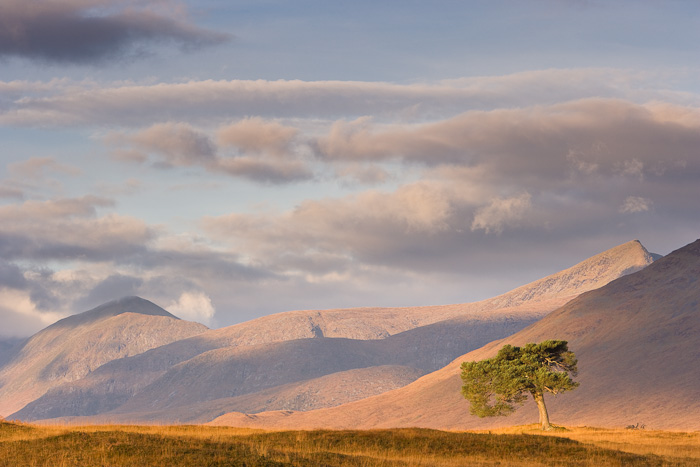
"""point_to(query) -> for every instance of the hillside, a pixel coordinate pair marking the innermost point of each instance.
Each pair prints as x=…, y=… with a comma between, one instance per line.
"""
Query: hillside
x=637, y=341
x=216, y=368
x=378, y=323
x=134, y=388
x=73, y=347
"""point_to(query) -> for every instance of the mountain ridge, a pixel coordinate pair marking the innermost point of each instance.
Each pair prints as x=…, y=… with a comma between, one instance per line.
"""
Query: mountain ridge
x=624, y=335
x=128, y=304
x=422, y=338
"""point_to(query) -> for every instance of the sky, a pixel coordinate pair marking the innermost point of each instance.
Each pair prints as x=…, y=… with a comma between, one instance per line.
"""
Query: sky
x=229, y=160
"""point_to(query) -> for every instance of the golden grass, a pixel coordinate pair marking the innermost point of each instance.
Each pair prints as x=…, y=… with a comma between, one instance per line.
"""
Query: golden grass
x=672, y=444
x=167, y=445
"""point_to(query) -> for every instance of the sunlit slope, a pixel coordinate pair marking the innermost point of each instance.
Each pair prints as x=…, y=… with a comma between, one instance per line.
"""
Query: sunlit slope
x=637, y=341
x=378, y=323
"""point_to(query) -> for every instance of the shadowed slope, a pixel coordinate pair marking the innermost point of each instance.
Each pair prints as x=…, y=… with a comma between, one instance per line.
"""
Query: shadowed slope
x=9, y=346
x=637, y=341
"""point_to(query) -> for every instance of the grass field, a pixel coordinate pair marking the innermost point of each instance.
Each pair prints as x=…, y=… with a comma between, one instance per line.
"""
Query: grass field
x=59, y=446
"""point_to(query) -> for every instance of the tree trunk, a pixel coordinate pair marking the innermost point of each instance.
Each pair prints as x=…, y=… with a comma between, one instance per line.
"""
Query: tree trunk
x=544, y=416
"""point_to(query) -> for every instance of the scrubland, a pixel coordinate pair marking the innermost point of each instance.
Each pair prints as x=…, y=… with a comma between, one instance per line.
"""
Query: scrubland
x=60, y=446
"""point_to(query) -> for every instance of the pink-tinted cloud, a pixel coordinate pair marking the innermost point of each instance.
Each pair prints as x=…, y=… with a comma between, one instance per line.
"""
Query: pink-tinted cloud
x=36, y=168
x=176, y=144
x=68, y=228
x=544, y=142
x=258, y=136
x=502, y=212
x=132, y=104
x=261, y=150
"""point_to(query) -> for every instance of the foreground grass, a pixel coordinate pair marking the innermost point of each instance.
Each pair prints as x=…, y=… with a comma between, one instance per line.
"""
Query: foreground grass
x=27, y=445
x=668, y=444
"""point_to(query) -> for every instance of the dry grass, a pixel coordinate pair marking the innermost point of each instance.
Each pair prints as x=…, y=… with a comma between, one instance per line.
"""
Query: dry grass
x=172, y=446
x=670, y=444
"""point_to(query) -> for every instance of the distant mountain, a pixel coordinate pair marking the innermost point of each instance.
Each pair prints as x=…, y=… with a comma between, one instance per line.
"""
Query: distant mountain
x=378, y=323
x=73, y=347
x=8, y=347
x=637, y=342
x=239, y=367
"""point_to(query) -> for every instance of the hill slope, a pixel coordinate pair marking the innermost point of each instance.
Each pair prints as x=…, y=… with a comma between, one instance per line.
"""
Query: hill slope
x=216, y=368
x=73, y=347
x=378, y=323
x=637, y=341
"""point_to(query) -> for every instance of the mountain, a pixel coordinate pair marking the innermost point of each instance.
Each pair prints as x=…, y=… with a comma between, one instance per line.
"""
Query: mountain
x=73, y=347
x=239, y=367
x=8, y=347
x=378, y=323
x=637, y=342
x=132, y=388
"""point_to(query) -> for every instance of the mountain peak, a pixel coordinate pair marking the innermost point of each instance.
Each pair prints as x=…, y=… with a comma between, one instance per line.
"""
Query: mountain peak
x=77, y=345
x=117, y=307
x=589, y=274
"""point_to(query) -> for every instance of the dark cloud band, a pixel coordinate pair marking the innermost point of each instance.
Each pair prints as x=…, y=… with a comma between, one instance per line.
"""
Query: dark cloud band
x=69, y=33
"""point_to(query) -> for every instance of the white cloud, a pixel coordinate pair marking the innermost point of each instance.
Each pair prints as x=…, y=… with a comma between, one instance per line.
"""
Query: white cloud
x=633, y=167
x=502, y=213
x=20, y=315
x=634, y=204
x=193, y=306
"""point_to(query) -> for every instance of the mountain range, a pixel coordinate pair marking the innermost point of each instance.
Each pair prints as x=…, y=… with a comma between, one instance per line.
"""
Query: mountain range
x=637, y=340
x=363, y=367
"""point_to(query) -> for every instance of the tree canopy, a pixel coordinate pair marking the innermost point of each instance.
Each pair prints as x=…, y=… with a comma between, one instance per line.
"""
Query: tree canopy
x=496, y=386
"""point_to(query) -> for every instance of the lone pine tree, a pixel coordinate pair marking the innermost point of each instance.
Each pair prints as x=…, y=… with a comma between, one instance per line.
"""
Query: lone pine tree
x=496, y=385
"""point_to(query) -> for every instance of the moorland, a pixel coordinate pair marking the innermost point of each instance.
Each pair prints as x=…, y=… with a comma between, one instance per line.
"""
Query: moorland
x=183, y=445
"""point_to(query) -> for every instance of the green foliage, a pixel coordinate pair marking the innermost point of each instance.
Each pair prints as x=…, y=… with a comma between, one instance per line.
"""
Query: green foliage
x=498, y=385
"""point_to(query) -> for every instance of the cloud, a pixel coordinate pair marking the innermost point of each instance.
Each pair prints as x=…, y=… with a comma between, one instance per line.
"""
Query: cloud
x=176, y=144
x=94, y=31
x=372, y=227
x=466, y=176
x=362, y=174
x=36, y=168
x=11, y=192
x=502, y=213
x=265, y=171
x=265, y=146
x=11, y=276
x=114, y=286
x=193, y=306
x=634, y=204
x=68, y=228
x=592, y=135
x=20, y=315
x=60, y=103
x=256, y=136
x=633, y=167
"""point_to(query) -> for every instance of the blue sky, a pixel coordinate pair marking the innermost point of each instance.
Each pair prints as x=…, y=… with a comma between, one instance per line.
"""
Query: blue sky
x=229, y=160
